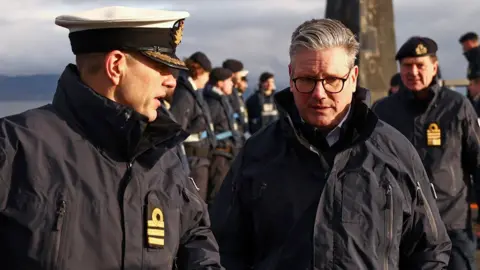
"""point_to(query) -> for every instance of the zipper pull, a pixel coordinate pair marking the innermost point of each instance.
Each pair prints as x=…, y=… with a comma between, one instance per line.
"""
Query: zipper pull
x=388, y=196
x=434, y=192
x=61, y=210
x=175, y=265
x=194, y=184
x=419, y=194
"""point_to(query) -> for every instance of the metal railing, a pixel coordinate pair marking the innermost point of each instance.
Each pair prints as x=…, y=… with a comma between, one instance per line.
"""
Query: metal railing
x=455, y=83
x=459, y=85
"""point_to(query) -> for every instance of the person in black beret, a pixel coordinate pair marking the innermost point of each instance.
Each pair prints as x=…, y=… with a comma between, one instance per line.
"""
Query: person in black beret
x=216, y=94
x=261, y=107
x=442, y=125
x=233, y=65
x=193, y=114
x=418, y=65
x=237, y=99
x=469, y=41
x=219, y=76
x=471, y=51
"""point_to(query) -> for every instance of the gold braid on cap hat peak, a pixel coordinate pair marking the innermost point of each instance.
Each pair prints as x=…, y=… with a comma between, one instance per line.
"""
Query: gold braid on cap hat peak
x=164, y=57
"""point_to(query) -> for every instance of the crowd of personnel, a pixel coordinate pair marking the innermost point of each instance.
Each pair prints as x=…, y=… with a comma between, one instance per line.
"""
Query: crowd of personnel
x=147, y=161
x=209, y=104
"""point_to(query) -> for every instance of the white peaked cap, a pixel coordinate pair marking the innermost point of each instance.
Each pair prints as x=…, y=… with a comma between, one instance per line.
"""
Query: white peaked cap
x=154, y=33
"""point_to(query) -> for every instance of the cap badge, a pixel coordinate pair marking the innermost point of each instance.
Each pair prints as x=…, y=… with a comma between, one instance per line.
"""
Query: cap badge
x=177, y=32
x=421, y=49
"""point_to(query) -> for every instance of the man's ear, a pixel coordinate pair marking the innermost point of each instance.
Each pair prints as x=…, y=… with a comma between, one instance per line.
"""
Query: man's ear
x=290, y=74
x=354, y=75
x=115, y=66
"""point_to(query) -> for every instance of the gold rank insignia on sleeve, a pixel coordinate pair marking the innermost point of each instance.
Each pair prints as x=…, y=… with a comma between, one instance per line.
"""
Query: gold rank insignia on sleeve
x=156, y=228
x=434, y=135
x=421, y=49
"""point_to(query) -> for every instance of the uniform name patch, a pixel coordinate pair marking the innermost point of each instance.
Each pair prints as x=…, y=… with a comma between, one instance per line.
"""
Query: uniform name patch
x=434, y=135
x=156, y=229
x=267, y=107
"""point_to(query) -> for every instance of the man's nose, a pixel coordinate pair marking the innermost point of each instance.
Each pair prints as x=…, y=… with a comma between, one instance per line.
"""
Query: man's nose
x=319, y=91
x=414, y=70
x=170, y=81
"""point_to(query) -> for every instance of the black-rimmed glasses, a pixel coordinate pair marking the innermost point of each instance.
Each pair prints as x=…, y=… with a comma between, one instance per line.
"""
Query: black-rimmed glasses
x=331, y=84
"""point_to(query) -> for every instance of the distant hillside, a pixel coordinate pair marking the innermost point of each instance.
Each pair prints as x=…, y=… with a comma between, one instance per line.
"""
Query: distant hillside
x=34, y=87
x=42, y=87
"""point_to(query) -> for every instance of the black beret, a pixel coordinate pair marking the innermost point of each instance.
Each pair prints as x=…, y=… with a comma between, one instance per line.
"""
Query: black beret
x=219, y=74
x=417, y=47
x=265, y=76
x=468, y=36
x=396, y=80
x=233, y=65
x=201, y=59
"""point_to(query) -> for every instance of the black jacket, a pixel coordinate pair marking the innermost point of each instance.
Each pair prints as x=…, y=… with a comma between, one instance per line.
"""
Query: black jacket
x=452, y=159
x=262, y=110
x=240, y=112
x=225, y=126
x=475, y=103
x=282, y=206
x=193, y=114
x=473, y=58
x=86, y=183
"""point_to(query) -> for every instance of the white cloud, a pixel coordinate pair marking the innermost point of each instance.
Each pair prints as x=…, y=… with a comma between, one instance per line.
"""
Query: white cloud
x=254, y=31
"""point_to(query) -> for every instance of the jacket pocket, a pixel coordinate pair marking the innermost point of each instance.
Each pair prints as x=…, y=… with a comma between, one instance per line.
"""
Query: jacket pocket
x=57, y=235
x=422, y=200
x=353, y=183
x=26, y=209
x=36, y=228
x=389, y=223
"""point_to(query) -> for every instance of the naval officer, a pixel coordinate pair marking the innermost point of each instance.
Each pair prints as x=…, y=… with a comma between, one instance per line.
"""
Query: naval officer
x=93, y=180
x=442, y=125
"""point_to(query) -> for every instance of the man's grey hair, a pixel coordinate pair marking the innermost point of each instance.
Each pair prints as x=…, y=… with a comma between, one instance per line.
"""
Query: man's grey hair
x=318, y=34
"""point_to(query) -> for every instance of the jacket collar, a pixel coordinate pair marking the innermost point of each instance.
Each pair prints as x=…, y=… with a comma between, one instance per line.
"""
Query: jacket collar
x=183, y=81
x=109, y=125
x=433, y=89
x=357, y=127
x=212, y=91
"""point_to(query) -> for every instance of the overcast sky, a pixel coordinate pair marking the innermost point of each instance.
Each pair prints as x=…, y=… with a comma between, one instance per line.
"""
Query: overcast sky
x=255, y=31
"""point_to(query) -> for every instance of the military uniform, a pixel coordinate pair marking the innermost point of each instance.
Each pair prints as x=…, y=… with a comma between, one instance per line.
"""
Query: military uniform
x=240, y=112
x=228, y=141
x=444, y=130
x=475, y=100
x=165, y=109
x=192, y=113
x=473, y=73
x=88, y=183
x=236, y=100
x=473, y=58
